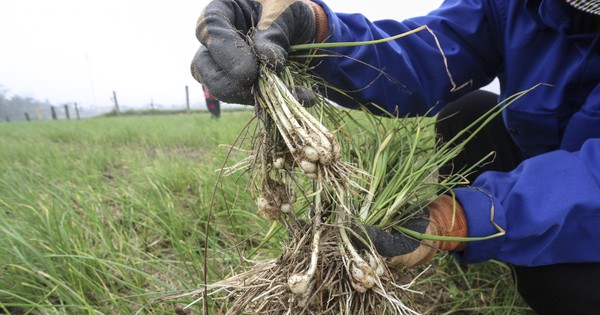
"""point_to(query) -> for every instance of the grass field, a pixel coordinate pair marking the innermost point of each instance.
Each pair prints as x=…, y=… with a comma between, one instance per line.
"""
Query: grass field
x=107, y=215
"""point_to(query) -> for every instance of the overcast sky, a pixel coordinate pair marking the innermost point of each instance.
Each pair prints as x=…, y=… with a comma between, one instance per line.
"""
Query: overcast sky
x=68, y=51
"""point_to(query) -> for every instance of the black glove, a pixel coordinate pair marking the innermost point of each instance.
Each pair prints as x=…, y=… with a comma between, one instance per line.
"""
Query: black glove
x=238, y=34
x=444, y=216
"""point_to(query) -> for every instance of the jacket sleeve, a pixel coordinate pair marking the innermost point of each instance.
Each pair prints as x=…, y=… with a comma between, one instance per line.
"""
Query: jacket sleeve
x=410, y=76
x=549, y=207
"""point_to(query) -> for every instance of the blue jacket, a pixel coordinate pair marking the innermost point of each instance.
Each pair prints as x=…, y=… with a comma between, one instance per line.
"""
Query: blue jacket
x=550, y=205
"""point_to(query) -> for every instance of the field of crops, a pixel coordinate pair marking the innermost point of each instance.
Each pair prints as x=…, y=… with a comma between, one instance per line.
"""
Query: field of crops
x=110, y=216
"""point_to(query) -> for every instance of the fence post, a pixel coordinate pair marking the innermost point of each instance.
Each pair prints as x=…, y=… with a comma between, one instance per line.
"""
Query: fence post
x=77, y=111
x=117, y=110
x=187, y=98
x=67, y=112
x=53, y=112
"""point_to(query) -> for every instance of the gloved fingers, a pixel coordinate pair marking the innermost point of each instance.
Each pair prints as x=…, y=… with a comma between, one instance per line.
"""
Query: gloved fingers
x=387, y=244
x=418, y=223
x=230, y=89
x=400, y=250
x=392, y=244
x=422, y=255
x=223, y=28
x=240, y=34
x=235, y=17
x=282, y=23
x=219, y=81
x=305, y=96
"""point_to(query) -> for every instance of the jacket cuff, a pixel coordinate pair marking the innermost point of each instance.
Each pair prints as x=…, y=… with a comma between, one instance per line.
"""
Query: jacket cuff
x=485, y=216
x=321, y=23
x=330, y=28
x=448, y=219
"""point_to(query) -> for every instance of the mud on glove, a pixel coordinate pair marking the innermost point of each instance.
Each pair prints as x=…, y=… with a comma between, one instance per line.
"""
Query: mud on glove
x=444, y=217
x=237, y=34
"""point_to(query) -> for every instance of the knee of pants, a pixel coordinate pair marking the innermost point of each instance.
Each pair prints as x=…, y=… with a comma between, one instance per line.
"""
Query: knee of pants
x=560, y=289
x=455, y=117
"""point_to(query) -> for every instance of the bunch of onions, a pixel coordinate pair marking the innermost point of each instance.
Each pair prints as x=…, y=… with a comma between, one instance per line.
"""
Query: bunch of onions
x=316, y=151
x=299, y=178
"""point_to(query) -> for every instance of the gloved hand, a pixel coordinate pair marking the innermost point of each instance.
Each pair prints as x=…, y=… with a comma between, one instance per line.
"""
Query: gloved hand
x=238, y=34
x=443, y=217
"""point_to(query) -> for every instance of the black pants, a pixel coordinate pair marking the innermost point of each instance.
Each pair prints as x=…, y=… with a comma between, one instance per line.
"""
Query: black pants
x=563, y=289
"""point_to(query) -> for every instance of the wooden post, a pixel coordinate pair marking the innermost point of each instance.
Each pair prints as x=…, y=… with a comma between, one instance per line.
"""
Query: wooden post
x=67, y=112
x=117, y=110
x=187, y=98
x=53, y=112
x=77, y=111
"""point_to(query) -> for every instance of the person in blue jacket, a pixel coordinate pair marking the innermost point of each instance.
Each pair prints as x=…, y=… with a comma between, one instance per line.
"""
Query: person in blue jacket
x=543, y=188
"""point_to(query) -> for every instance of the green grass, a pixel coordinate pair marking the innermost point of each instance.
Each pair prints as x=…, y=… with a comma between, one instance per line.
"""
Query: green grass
x=103, y=216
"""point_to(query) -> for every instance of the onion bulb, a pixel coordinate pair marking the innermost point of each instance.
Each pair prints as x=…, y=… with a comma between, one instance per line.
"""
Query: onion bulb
x=298, y=283
x=279, y=163
x=308, y=166
x=286, y=208
x=311, y=153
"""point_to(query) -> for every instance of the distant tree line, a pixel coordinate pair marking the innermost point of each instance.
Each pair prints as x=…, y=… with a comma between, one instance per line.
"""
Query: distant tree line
x=19, y=108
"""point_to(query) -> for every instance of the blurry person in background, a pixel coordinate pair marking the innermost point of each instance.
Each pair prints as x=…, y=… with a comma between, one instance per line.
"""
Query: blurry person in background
x=212, y=103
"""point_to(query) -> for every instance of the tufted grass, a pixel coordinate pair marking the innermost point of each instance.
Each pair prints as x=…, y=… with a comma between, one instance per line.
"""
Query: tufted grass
x=108, y=215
